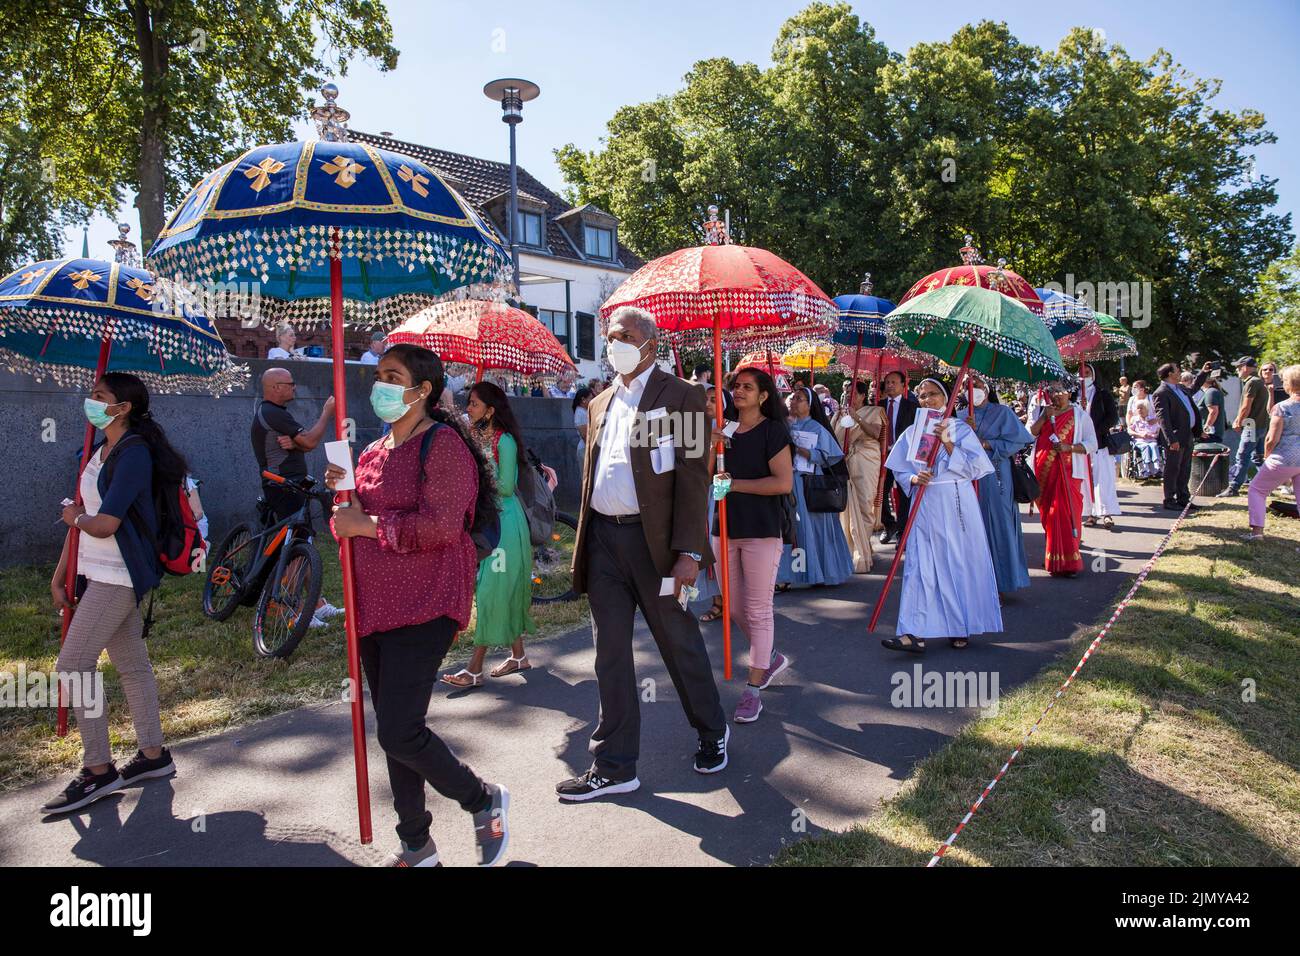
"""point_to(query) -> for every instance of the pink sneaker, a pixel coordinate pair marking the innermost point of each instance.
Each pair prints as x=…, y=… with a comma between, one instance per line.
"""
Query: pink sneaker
x=749, y=708
x=779, y=663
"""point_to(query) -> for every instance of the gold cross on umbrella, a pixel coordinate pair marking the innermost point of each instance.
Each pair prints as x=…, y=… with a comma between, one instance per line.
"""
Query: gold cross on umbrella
x=346, y=169
x=31, y=276
x=81, y=279
x=141, y=288
x=417, y=180
x=262, y=172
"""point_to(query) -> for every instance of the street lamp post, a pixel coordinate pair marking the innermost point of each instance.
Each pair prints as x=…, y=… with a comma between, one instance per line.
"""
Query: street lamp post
x=512, y=93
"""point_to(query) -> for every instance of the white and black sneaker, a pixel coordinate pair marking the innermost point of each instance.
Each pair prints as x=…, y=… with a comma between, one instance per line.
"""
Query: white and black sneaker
x=712, y=755
x=144, y=768
x=592, y=785
x=85, y=790
x=492, y=827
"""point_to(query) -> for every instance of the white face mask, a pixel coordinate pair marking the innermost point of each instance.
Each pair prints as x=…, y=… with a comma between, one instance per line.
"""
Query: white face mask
x=981, y=396
x=623, y=356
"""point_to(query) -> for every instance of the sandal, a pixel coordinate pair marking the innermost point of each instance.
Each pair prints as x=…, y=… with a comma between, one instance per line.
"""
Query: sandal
x=912, y=645
x=712, y=614
x=511, y=665
x=1090, y=522
x=463, y=678
x=1108, y=522
x=781, y=589
x=960, y=643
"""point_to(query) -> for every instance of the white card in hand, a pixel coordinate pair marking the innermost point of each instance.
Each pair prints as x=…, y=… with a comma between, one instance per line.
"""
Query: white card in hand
x=729, y=429
x=340, y=453
x=667, y=587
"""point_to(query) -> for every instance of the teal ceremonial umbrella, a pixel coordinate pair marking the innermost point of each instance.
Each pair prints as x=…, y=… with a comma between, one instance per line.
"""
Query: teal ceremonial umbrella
x=973, y=328
x=75, y=319
x=342, y=232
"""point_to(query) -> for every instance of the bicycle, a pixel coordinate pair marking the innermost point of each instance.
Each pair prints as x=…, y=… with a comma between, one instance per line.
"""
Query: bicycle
x=553, y=563
x=275, y=567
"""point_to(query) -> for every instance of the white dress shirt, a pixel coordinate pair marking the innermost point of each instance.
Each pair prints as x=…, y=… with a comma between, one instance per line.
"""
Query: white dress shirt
x=613, y=490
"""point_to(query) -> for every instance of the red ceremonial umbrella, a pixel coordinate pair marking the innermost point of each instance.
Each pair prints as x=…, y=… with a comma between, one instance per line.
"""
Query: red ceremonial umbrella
x=766, y=360
x=730, y=296
x=487, y=336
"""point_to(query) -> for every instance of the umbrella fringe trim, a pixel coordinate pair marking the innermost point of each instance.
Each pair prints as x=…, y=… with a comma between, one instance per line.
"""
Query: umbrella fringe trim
x=232, y=376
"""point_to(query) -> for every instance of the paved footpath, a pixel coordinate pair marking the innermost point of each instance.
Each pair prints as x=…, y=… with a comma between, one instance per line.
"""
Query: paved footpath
x=828, y=747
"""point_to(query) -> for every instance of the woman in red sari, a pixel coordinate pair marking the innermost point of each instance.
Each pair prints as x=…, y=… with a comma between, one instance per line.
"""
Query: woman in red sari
x=1064, y=437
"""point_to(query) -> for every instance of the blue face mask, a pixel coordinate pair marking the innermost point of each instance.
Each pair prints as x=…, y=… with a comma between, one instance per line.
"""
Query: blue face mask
x=97, y=413
x=388, y=401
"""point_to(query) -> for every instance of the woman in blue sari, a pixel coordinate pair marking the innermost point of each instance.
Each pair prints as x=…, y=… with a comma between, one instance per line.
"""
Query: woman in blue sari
x=821, y=554
x=1001, y=435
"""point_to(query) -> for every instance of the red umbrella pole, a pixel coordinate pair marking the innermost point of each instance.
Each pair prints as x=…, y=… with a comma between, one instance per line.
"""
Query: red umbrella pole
x=920, y=493
x=345, y=548
x=478, y=374
x=1083, y=403
x=885, y=436
x=677, y=360
x=74, y=535
x=723, y=560
x=970, y=408
x=812, y=376
x=853, y=387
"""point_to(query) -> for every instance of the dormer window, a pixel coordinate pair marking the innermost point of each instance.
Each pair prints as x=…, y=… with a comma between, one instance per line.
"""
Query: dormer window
x=598, y=242
x=528, y=228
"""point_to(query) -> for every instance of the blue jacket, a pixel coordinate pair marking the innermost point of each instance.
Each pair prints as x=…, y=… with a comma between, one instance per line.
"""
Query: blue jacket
x=132, y=484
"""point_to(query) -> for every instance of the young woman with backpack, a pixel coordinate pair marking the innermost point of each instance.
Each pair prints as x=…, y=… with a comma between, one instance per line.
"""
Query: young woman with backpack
x=118, y=564
x=423, y=494
x=503, y=594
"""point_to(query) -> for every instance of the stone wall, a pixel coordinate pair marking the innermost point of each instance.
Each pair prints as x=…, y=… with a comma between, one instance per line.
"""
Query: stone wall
x=42, y=428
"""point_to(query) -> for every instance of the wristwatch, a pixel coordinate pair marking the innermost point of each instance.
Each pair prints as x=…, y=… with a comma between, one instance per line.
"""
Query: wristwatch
x=697, y=558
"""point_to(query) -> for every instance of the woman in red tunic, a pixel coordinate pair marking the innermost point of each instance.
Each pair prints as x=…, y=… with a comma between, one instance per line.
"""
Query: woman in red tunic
x=1061, y=503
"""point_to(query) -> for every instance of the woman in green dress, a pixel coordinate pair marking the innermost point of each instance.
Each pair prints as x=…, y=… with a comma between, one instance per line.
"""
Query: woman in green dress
x=503, y=595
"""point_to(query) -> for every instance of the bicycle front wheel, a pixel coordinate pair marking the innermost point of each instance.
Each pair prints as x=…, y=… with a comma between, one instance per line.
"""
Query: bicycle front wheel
x=553, y=562
x=228, y=567
x=288, y=602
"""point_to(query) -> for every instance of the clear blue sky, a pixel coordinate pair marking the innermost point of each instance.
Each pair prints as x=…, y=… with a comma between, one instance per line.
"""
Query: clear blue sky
x=592, y=57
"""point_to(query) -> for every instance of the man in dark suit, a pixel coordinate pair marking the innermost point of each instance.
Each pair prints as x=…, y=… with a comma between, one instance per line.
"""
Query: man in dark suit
x=900, y=411
x=1180, y=421
x=643, y=520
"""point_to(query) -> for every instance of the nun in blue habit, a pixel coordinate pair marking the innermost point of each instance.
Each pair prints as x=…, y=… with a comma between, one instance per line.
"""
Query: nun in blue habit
x=1001, y=435
x=949, y=586
x=821, y=553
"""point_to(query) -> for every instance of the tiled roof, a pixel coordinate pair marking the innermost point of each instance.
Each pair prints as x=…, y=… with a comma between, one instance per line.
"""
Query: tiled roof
x=481, y=180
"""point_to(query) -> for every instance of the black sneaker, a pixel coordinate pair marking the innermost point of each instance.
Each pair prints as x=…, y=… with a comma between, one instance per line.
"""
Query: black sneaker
x=712, y=755
x=491, y=828
x=143, y=768
x=592, y=785
x=84, y=790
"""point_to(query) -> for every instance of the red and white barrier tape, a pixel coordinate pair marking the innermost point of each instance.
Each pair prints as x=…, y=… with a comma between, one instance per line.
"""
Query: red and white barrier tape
x=1142, y=576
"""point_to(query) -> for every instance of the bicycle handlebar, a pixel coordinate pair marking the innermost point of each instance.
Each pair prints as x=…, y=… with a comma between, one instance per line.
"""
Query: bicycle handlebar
x=272, y=476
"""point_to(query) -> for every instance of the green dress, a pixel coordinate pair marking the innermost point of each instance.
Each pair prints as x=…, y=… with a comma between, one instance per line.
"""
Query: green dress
x=504, y=592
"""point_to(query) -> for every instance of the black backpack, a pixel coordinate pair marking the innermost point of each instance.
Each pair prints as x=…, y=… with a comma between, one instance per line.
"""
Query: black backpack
x=487, y=538
x=537, y=499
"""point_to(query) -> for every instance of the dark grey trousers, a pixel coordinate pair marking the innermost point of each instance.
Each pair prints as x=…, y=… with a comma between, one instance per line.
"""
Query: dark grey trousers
x=1178, y=472
x=621, y=577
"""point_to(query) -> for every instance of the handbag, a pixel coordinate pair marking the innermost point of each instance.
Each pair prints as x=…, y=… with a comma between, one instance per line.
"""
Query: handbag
x=829, y=491
x=1024, y=483
x=1119, y=442
x=789, y=521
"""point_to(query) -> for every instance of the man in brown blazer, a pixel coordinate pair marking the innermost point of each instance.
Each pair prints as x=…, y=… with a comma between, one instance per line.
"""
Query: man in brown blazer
x=643, y=522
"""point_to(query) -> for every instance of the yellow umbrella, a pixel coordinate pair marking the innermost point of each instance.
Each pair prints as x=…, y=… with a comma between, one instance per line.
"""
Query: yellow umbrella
x=809, y=354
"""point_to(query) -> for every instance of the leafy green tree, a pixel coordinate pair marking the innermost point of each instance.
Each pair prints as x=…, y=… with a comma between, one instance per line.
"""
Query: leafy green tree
x=1079, y=161
x=148, y=95
x=1276, y=302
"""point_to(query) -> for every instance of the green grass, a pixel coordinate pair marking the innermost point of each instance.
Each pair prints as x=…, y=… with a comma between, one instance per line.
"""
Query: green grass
x=209, y=678
x=1154, y=732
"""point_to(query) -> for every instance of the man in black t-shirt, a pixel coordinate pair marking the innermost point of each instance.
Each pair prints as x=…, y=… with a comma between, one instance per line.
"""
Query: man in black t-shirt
x=279, y=442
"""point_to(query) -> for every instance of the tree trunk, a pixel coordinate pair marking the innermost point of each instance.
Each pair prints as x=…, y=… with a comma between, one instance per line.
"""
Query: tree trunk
x=151, y=171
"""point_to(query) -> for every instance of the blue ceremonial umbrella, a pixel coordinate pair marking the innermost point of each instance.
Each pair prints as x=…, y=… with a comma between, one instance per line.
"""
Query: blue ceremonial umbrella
x=75, y=319
x=862, y=317
x=1073, y=324
x=315, y=224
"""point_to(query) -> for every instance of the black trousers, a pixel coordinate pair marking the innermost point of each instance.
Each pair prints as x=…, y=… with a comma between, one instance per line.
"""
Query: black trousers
x=401, y=667
x=622, y=578
x=1178, y=473
x=891, y=522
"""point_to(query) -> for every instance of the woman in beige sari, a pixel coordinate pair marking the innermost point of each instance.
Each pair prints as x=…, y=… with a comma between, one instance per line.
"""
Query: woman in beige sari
x=863, y=424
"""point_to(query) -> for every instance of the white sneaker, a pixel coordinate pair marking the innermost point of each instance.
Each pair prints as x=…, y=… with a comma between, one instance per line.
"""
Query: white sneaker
x=317, y=622
x=328, y=610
